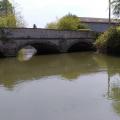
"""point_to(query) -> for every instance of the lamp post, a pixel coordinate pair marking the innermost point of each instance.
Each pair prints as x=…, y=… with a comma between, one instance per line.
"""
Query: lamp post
x=109, y=12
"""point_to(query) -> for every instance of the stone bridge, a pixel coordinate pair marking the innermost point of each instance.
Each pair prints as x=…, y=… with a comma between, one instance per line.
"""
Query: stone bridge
x=44, y=40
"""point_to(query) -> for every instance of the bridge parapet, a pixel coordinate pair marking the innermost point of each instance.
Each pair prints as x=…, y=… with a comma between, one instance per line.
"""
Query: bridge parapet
x=45, y=33
x=15, y=38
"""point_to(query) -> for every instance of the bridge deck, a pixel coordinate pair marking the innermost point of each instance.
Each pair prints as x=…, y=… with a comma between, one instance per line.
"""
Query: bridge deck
x=44, y=33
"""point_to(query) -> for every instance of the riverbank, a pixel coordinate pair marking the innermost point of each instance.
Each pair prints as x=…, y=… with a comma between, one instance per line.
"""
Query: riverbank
x=109, y=42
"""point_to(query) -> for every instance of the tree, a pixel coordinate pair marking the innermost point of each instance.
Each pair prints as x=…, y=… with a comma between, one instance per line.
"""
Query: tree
x=5, y=8
x=52, y=25
x=70, y=22
x=8, y=16
x=67, y=22
x=116, y=8
x=8, y=21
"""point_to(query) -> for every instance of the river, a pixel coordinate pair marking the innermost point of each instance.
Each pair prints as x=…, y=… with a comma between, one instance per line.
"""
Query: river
x=74, y=86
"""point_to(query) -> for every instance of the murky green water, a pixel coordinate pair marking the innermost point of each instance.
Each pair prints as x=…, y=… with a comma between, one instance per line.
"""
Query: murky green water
x=77, y=86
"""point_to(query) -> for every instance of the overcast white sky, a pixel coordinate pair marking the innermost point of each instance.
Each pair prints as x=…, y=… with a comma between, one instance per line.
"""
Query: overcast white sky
x=41, y=12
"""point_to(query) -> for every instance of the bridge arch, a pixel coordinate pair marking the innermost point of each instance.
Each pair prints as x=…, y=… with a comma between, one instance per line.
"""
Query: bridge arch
x=1, y=54
x=80, y=46
x=42, y=47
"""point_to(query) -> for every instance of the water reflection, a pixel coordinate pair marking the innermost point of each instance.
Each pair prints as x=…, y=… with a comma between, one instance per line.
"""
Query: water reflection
x=94, y=76
x=26, y=53
x=69, y=66
x=112, y=64
x=114, y=92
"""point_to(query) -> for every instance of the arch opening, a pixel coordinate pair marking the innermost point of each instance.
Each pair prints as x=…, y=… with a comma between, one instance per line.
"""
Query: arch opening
x=43, y=48
x=1, y=55
x=80, y=46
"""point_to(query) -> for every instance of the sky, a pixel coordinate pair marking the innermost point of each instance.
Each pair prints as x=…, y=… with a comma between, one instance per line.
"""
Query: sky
x=41, y=12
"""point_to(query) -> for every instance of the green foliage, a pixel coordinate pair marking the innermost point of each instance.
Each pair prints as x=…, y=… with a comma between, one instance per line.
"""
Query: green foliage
x=8, y=16
x=67, y=22
x=52, y=25
x=109, y=41
x=97, y=35
x=5, y=7
x=8, y=21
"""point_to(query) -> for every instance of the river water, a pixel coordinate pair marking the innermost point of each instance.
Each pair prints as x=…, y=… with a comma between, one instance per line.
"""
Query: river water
x=75, y=86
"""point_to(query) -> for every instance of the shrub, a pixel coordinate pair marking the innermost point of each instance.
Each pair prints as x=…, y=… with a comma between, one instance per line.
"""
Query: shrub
x=8, y=21
x=109, y=41
x=70, y=22
x=67, y=22
x=52, y=25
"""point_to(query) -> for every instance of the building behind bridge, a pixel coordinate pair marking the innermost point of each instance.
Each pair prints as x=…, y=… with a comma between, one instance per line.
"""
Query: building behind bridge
x=98, y=24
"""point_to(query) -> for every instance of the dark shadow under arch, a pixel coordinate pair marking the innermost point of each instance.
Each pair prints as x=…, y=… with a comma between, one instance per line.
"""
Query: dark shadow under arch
x=43, y=48
x=1, y=55
x=80, y=46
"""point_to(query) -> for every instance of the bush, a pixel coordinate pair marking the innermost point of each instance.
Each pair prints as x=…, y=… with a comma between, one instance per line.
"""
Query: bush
x=52, y=25
x=67, y=22
x=8, y=21
x=109, y=41
x=70, y=22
